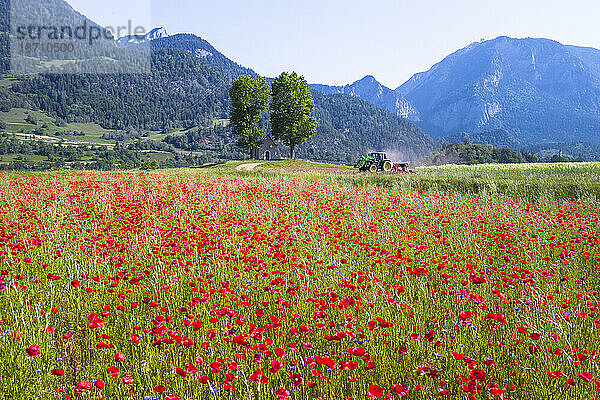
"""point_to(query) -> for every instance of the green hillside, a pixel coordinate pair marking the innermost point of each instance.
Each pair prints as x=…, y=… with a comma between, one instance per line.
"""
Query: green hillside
x=173, y=107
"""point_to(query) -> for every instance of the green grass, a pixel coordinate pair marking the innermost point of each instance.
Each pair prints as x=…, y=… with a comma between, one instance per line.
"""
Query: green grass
x=7, y=158
x=7, y=81
x=89, y=128
x=562, y=180
x=159, y=156
x=15, y=120
x=18, y=115
x=533, y=181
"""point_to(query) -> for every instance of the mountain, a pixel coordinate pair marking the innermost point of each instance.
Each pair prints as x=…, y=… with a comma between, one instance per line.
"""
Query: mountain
x=538, y=90
x=180, y=91
x=203, y=50
x=374, y=92
x=154, y=34
x=186, y=88
x=350, y=127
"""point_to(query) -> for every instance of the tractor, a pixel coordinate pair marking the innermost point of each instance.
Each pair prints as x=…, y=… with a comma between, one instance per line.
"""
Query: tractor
x=375, y=162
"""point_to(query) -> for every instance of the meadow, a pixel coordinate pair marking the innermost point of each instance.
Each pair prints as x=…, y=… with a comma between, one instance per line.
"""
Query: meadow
x=532, y=181
x=216, y=283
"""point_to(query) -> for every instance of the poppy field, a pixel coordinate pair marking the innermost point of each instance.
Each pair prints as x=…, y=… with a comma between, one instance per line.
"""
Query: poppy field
x=181, y=285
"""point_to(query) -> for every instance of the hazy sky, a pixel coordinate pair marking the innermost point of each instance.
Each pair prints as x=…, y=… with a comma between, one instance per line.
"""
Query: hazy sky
x=338, y=42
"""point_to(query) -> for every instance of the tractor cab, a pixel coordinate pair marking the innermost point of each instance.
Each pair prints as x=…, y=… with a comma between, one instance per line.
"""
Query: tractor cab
x=378, y=156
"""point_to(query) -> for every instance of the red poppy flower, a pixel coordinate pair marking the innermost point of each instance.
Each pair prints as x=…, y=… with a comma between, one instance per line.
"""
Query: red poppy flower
x=586, y=376
x=276, y=366
x=375, y=391
x=478, y=375
x=282, y=393
x=192, y=369
x=401, y=390
x=33, y=350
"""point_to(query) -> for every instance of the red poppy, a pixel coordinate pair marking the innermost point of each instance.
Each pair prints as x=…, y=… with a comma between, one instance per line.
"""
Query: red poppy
x=33, y=350
x=478, y=375
x=401, y=390
x=276, y=366
x=375, y=391
x=282, y=393
x=443, y=391
x=586, y=376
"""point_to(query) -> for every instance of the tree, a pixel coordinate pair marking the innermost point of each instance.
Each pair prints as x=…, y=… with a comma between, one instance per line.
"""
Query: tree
x=291, y=108
x=149, y=165
x=31, y=119
x=250, y=98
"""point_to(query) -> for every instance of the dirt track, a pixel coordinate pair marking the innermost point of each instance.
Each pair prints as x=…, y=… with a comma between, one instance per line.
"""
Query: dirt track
x=247, y=167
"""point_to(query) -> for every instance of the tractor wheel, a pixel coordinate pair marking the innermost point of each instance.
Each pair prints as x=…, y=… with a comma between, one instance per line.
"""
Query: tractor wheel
x=387, y=166
x=373, y=168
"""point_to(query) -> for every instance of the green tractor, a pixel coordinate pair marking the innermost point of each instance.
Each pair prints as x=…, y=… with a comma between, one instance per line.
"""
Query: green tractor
x=375, y=162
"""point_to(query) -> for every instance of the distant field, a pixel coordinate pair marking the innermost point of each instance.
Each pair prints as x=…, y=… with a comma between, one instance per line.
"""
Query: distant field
x=561, y=180
x=79, y=132
x=16, y=122
x=6, y=158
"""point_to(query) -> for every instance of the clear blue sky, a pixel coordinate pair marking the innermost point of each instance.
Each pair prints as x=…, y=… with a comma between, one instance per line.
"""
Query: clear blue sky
x=340, y=41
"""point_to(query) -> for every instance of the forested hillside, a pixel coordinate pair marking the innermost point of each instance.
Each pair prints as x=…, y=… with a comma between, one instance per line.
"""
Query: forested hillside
x=349, y=127
x=180, y=91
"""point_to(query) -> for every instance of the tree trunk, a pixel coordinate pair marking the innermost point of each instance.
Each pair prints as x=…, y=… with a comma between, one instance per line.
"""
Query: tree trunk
x=292, y=155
